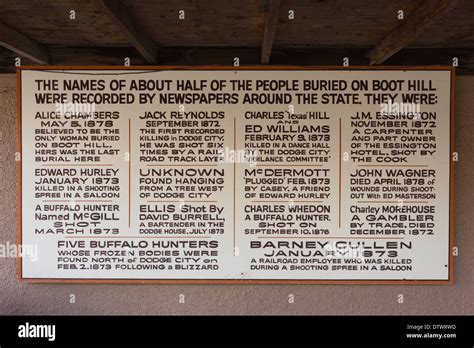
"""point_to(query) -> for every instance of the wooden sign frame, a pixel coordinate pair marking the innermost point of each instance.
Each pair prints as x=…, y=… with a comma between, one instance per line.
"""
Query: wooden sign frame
x=244, y=281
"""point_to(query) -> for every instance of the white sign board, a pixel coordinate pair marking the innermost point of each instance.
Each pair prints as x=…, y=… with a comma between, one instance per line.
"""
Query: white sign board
x=269, y=175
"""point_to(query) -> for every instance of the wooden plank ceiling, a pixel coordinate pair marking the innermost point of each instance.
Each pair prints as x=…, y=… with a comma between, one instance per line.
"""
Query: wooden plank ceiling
x=199, y=32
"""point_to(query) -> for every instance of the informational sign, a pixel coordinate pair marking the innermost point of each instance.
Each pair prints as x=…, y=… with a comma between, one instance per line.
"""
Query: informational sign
x=236, y=174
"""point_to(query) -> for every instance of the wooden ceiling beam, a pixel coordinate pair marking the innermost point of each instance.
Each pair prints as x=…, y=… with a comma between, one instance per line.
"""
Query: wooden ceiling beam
x=271, y=19
x=415, y=24
x=224, y=56
x=119, y=14
x=23, y=45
